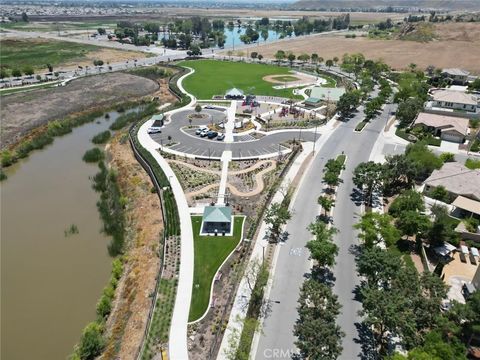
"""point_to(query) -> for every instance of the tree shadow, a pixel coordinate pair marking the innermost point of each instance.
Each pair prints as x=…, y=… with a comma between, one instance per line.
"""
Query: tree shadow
x=356, y=196
x=366, y=340
x=322, y=274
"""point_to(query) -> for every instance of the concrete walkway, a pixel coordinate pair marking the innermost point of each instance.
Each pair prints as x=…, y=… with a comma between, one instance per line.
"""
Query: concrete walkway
x=230, y=124
x=226, y=157
x=178, y=329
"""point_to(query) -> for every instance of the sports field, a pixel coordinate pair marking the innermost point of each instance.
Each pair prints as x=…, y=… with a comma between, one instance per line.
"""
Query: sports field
x=210, y=252
x=216, y=77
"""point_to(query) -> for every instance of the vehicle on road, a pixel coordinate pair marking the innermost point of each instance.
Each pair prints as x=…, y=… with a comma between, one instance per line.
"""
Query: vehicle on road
x=200, y=130
x=212, y=134
x=154, y=130
x=220, y=137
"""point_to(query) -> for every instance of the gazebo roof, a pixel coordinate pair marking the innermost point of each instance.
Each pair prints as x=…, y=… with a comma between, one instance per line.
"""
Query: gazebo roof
x=234, y=92
x=217, y=214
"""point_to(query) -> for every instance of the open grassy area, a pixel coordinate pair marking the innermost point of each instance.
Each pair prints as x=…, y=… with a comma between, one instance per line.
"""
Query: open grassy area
x=37, y=53
x=45, y=26
x=216, y=77
x=210, y=252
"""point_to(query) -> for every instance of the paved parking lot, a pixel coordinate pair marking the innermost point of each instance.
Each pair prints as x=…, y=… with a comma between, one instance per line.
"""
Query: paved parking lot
x=185, y=140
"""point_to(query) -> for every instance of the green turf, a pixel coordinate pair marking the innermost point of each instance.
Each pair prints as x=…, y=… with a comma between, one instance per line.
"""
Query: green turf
x=210, y=252
x=35, y=53
x=216, y=77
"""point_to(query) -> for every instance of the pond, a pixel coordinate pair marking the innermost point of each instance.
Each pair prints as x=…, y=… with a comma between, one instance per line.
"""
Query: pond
x=51, y=281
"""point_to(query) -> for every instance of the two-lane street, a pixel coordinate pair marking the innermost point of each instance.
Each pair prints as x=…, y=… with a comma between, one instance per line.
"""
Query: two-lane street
x=277, y=340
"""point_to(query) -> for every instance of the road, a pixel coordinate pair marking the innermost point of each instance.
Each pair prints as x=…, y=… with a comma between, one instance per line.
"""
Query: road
x=293, y=264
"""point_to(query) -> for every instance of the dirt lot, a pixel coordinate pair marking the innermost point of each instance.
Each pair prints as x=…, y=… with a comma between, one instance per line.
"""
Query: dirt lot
x=22, y=112
x=132, y=305
x=459, y=47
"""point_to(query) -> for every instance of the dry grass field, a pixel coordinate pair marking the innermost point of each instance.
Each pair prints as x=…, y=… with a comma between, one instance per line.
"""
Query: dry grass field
x=458, y=45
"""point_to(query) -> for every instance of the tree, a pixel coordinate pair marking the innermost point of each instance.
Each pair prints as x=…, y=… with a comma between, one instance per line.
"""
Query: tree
x=276, y=216
x=475, y=85
x=442, y=229
x=16, y=72
x=409, y=200
x=322, y=248
x=264, y=35
x=253, y=54
x=326, y=203
x=377, y=266
x=335, y=60
x=399, y=173
x=348, y=102
x=408, y=110
x=329, y=63
x=368, y=176
x=423, y=159
x=3, y=73
x=291, y=58
x=411, y=223
x=260, y=57
x=198, y=108
x=375, y=228
x=318, y=335
x=280, y=55
x=25, y=17
x=194, y=51
x=440, y=193
x=92, y=342
x=101, y=31
x=28, y=70
x=314, y=58
x=98, y=62
x=49, y=67
x=304, y=57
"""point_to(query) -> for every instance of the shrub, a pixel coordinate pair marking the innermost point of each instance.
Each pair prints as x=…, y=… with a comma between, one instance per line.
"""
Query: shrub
x=102, y=137
x=93, y=155
x=360, y=126
x=472, y=164
x=3, y=176
x=91, y=343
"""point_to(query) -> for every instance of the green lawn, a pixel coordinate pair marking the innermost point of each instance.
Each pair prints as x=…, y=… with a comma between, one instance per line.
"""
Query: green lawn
x=210, y=252
x=216, y=77
x=37, y=53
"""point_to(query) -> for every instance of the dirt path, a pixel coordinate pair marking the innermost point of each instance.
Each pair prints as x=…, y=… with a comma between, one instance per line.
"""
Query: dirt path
x=258, y=181
x=132, y=303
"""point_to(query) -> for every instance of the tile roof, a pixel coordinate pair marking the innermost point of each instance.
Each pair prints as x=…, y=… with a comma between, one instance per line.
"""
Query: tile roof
x=455, y=71
x=454, y=96
x=457, y=179
x=443, y=122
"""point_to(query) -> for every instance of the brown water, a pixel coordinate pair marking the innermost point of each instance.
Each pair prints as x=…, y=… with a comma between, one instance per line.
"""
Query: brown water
x=50, y=282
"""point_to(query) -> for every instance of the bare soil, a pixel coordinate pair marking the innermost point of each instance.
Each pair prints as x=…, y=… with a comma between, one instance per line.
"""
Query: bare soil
x=459, y=46
x=129, y=316
x=21, y=112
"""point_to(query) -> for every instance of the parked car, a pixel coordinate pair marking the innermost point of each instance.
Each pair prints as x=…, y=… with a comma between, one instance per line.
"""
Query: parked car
x=200, y=130
x=212, y=134
x=220, y=137
x=154, y=130
x=204, y=133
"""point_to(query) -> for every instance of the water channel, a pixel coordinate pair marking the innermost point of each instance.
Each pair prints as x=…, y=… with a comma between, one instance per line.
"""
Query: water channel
x=51, y=282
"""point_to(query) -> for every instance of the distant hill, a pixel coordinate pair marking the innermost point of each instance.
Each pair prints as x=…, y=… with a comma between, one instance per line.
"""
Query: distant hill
x=370, y=4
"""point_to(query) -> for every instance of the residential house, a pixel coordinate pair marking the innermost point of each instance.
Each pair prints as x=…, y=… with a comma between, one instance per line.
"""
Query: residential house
x=448, y=128
x=457, y=76
x=457, y=179
x=454, y=99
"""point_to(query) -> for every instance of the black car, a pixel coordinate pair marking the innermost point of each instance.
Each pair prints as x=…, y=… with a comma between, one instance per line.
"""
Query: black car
x=212, y=134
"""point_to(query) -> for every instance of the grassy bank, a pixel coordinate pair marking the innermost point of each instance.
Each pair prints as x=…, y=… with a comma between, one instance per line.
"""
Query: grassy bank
x=209, y=253
x=36, y=53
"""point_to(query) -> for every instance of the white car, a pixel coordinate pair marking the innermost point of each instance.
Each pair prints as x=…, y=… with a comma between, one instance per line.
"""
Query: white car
x=201, y=129
x=154, y=130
